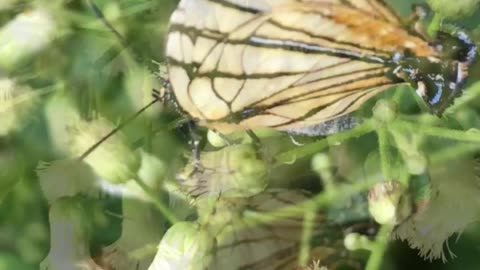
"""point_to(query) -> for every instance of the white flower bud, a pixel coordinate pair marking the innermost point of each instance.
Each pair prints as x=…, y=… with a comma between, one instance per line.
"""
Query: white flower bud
x=27, y=34
x=355, y=241
x=416, y=163
x=185, y=246
x=321, y=162
x=215, y=139
x=385, y=111
x=65, y=178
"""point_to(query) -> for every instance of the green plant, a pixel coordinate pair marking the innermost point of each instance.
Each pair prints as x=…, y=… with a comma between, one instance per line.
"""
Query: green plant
x=78, y=72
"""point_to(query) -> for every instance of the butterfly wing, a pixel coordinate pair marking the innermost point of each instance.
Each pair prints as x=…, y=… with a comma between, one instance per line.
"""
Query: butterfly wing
x=376, y=8
x=297, y=64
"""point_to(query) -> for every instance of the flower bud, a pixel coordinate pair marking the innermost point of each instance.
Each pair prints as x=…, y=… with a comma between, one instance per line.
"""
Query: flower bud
x=416, y=164
x=234, y=171
x=385, y=111
x=65, y=178
x=215, y=139
x=112, y=160
x=454, y=9
x=356, y=241
x=388, y=203
x=185, y=246
x=24, y=36
x=320, y=163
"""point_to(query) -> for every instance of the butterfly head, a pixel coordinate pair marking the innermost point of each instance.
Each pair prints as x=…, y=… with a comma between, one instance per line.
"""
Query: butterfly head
x=439, y=80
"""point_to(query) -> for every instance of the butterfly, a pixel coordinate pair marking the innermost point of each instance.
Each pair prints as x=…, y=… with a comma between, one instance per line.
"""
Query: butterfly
x=294, y=65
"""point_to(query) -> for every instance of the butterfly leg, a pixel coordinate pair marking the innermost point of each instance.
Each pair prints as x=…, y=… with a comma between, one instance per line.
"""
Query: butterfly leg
x=156, y=94
x=257, y=144
x=187, y=129
x=256, y=141
x=194, y=142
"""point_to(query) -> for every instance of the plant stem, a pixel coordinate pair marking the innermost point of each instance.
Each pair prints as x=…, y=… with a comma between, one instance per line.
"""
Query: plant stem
x=385, y=155
x=457, y=135
x=305, y=247
x=313, y=148
x=318, y=202
x=381, y=243
x=157, y=202
x=435, y=25
x=454, y=152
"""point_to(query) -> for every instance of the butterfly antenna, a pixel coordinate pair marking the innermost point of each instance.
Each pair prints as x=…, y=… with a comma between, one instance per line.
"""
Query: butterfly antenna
x=96, y=10
x=118, y=128
x=157, y=95
x=152, y=66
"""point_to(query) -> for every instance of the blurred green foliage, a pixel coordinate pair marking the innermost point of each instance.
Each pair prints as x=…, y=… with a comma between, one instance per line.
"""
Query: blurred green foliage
x=83, y=67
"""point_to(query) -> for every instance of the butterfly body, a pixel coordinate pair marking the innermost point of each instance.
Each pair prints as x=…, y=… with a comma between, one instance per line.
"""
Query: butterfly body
x=291, y=64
